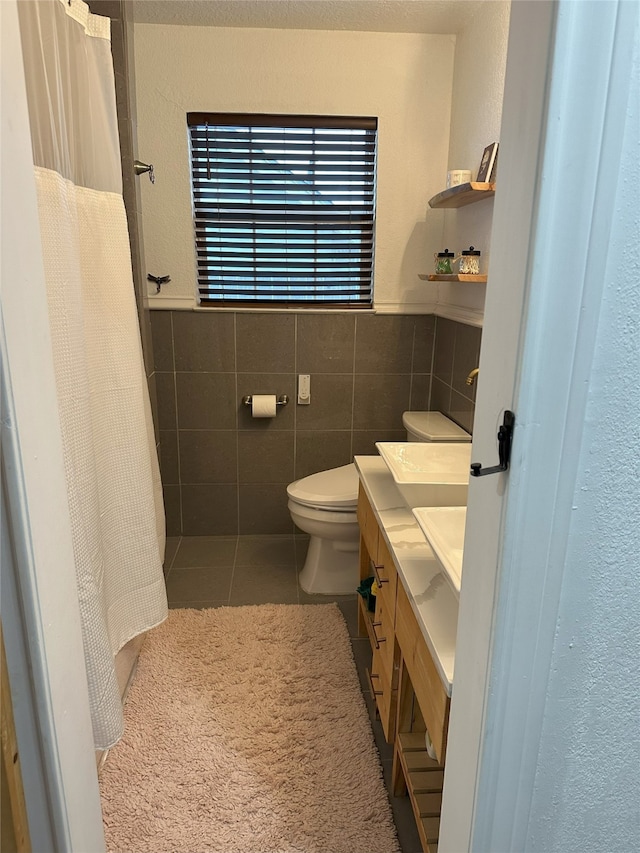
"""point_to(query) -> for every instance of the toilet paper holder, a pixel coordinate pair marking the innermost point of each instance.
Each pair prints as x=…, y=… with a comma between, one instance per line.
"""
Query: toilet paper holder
x=282, y=400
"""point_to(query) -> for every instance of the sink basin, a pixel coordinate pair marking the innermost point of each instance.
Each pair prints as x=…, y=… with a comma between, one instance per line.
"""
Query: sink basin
x=429, y=474
x=444, y=527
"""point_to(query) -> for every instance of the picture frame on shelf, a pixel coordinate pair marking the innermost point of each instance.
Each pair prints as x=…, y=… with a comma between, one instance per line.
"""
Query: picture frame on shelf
x=488, y=163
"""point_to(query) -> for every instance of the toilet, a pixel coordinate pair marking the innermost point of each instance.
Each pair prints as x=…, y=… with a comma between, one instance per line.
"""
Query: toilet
x=324, y=506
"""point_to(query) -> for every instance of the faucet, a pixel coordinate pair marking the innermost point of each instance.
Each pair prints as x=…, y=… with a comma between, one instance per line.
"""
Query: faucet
x=471, y=378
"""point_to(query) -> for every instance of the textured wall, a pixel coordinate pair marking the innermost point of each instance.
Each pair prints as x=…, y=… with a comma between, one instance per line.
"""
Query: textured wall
x=404, y=79
x=476, y=113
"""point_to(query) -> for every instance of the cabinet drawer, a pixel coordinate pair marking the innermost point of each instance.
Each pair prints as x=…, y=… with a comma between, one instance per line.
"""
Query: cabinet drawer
x=387, y=577
x=431, y=695
x=386, y=699
x=383, y=654
x=368, y=524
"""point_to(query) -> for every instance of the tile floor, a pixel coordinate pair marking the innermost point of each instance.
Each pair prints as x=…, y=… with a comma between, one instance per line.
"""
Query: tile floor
x=212, y=571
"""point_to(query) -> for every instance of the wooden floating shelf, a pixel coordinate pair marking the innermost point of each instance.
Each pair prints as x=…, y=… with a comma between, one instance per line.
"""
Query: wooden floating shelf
x=463, y=194
x=459, y=277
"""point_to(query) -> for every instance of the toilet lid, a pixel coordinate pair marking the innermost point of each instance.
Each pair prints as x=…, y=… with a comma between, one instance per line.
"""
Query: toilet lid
x=434, y=426
x=337, y=487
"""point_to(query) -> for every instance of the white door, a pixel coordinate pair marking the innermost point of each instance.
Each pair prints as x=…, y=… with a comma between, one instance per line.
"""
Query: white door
x=569, y=128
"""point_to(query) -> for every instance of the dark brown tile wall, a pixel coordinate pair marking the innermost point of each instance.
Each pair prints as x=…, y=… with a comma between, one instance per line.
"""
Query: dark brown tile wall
x=456, y=353
x=225, y=472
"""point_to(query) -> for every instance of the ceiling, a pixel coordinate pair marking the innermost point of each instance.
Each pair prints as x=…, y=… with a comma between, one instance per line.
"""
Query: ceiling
x=393, y=16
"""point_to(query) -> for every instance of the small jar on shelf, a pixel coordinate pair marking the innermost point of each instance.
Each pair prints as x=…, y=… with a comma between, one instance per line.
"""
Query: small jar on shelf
x=470, y=261
x=443, y=262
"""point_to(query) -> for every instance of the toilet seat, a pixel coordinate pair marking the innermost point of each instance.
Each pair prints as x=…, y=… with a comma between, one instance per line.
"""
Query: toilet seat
x=335, y=490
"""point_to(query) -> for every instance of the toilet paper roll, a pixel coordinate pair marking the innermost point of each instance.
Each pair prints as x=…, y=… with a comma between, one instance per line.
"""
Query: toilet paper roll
x=263, y=406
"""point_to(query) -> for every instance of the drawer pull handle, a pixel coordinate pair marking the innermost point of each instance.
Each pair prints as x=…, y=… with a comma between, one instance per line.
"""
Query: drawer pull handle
x=371, y=676
x=375, y=625
x=376, y=571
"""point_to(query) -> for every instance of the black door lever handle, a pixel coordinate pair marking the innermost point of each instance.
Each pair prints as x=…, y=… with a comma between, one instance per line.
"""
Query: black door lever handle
x=505, y=435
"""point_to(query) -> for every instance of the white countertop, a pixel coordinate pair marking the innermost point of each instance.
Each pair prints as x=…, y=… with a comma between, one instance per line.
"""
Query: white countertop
x=432, y=599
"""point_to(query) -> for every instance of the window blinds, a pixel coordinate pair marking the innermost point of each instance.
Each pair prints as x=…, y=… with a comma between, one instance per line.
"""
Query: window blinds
x=284, y=208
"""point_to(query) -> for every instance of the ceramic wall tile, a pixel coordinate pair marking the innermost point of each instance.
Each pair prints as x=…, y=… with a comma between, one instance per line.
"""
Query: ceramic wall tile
x=380, y=400
x=204, y=342
x=206, y=400
x=325, y=343
x=263, y=509
x=317, y=450
x=169, y=467
x=265, y=343
x=365, y=372
x=249, y=384
x=208, y=456
x=384, y=343
x=209, y=510
x=265, y=457
x=331, y=403
x=444, y=349
x=162, y=336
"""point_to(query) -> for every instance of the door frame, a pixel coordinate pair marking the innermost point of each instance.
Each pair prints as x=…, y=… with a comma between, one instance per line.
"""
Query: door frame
x=564, y=62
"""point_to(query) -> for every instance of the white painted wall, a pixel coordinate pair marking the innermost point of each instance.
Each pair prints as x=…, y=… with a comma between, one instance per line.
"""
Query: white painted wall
x=404, y=79
x=476, y=113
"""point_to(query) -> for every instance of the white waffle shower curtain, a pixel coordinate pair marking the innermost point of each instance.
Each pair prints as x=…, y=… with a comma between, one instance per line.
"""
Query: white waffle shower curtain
x=111, y=466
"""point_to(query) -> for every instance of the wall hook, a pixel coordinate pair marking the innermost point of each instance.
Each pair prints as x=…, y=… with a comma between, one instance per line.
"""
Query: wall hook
x=140, y=168
x=159, y=280
x=505, y=435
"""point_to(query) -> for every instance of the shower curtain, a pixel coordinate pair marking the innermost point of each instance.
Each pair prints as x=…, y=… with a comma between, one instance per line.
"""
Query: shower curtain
x=111, y=466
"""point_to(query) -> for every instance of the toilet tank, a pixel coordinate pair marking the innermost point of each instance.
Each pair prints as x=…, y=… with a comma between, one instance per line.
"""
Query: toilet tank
x=432, y=426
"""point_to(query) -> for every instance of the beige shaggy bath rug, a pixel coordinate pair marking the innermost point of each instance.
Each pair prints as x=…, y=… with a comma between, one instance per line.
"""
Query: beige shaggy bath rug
x=246, y=732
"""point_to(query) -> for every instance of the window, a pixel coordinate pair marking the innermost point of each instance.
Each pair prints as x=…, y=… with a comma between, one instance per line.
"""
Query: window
x=284, y=209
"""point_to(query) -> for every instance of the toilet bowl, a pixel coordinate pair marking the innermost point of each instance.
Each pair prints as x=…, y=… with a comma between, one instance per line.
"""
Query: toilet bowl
x=324, y=506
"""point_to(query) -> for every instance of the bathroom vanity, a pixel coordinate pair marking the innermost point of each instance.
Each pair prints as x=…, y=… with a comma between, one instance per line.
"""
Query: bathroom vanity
x=412, y=635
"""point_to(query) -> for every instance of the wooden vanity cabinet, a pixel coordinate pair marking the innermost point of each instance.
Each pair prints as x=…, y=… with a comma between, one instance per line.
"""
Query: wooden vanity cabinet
x=405, y=683
x=430, y=694
x=379, y=626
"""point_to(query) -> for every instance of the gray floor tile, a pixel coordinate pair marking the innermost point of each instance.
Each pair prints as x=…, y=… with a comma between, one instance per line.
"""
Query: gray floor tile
x=264, y=585
x=385, y=749
x=266, y=551
x=349, y=608
x=402, y=815
x=202, y=584
x=203, y=551
x=197, y=605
